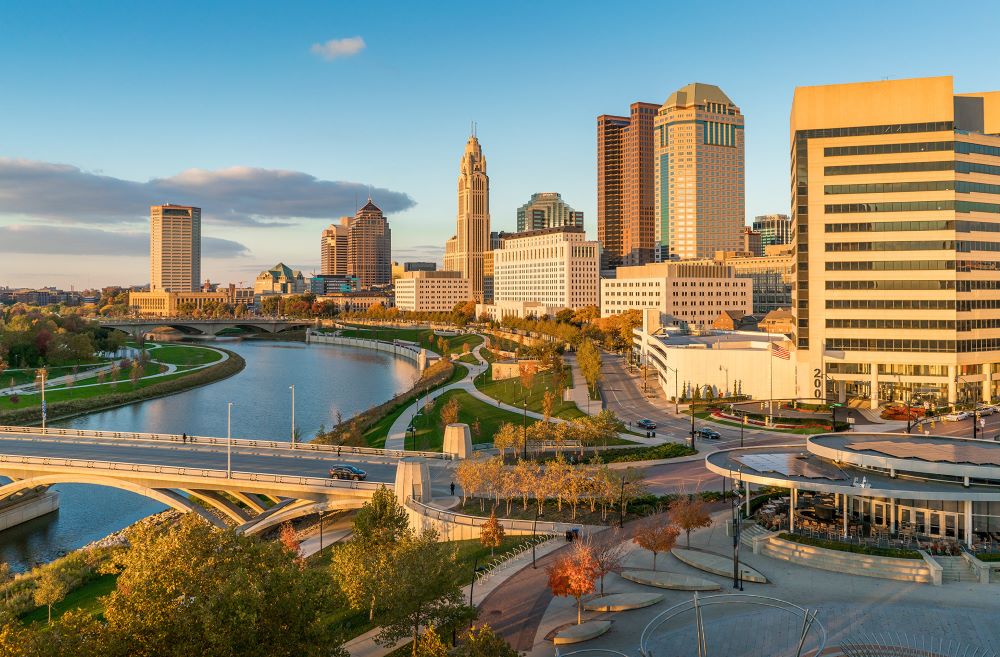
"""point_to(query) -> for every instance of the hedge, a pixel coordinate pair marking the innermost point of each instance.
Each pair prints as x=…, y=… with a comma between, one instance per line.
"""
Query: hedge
x=28, y=415
x=849, y=547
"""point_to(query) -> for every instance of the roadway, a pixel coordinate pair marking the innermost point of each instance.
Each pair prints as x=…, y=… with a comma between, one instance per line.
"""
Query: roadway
x=281, y=461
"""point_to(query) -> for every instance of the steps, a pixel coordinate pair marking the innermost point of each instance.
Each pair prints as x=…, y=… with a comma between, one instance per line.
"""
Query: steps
x=905, y=570
x=749, y=532
x=956, y=569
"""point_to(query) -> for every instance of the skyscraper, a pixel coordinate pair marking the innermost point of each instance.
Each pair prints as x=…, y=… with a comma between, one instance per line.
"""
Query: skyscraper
x=625, y=206
x=464, y=251
x=773, y=228
x=896, y=209
x=698, y=173
x=174, y=248
x=547, y=210
x=369, y=247
x=333, y=248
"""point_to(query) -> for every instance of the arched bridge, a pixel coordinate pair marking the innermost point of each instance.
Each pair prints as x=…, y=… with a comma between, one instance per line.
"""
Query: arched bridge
x=267, y=482
x=139, y=327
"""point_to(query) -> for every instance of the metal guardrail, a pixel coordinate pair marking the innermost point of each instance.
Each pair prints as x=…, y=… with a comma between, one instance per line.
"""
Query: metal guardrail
x=117, y=467
x=542, y=526
x=338, y=450
x=498, y=563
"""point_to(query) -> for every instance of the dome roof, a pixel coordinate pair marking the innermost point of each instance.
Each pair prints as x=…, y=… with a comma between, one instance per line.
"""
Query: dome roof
x=697, y=92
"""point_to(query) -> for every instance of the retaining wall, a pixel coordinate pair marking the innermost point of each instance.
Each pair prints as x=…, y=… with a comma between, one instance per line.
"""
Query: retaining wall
x=29, y=509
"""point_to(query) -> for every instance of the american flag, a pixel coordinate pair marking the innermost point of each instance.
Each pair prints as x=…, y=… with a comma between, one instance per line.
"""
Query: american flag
x=779, y=351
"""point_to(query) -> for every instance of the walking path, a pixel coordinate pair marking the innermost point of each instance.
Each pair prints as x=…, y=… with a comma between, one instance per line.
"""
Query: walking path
x=579, y=394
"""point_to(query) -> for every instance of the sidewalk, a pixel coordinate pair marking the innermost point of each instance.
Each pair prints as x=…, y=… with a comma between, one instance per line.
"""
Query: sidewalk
x=579, y=394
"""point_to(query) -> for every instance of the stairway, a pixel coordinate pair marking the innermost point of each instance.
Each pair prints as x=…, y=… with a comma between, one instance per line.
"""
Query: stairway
x=956, y=569
x=748, y=532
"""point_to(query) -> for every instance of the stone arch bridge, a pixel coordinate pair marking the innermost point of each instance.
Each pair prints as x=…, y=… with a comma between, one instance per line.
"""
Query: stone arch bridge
x=139, y=327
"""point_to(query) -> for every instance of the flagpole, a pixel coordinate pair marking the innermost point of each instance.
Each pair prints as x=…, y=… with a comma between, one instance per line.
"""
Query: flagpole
x=770, y=363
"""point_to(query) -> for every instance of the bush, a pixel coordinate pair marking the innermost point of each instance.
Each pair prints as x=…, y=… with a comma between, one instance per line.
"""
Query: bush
x=664, y=451
x=848, y=547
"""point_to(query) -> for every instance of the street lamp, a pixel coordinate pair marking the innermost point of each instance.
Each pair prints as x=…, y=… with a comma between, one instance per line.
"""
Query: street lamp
x=524, y=425
x=726, y=369
x=292, y=388
x=737, y=579
x=677, y=399
x=229, y=440
x=43, y=374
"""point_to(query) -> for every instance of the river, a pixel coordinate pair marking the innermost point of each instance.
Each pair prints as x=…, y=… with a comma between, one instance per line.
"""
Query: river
x=327, y=378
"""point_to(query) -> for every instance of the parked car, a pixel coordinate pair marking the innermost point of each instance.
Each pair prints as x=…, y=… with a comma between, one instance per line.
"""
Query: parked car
x=648, y=425
x=957, y=417
x=348, y=472
x=705, y=432
x=986, y=410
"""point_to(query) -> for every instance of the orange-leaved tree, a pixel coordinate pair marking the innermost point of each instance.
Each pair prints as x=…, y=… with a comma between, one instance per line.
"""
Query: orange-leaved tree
x=656, y=537
x=573, y=575
x=689, y=512
x=491, y=534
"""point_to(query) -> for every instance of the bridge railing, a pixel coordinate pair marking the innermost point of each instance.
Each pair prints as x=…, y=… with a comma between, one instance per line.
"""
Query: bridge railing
x=339, y=450
x=92, y=465
x=510, y=524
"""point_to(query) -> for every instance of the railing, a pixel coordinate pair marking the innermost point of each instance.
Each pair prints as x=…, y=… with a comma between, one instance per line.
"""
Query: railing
x=498, y=563
x=339, y=450
x=117, y=467
x=510, y=524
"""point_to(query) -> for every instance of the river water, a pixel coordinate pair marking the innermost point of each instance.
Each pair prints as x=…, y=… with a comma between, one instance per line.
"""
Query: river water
x=327, y=378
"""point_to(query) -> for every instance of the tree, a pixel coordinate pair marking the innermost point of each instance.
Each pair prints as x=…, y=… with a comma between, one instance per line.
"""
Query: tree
x=51, y=588
x=588, y=357
x=135, y=373
x=573, y=575
x=508, y=436
x=364, y=575
x=689, y=512
x=609, y=552
x=526, y=373
x=656, y=537
x=491, y=534
x=426, y=591
x=76, y=633
x=469, y=475
x=548, y=402
x=290, y=540
x=476, y=430
x=381, y=520
x=482, y=641
x=431, y=645
x=449, y=412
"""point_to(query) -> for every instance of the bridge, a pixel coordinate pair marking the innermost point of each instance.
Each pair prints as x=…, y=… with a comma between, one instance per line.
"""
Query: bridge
x=139, y=327
x=252, y=484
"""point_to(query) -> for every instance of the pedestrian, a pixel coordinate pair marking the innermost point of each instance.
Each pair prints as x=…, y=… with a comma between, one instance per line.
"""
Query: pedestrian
x=184, y=437
x=452, y=487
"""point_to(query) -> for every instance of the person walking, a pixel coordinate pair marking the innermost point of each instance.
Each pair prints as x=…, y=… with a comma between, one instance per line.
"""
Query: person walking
x=184, y=437
x=452, y=487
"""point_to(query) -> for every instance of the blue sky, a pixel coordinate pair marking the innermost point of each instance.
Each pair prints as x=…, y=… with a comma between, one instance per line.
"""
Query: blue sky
x=128, y=98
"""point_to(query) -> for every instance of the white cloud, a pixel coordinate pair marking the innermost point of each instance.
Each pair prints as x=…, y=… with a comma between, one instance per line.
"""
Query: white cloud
x=63, y=240
x=236, y=196
x=334, y=48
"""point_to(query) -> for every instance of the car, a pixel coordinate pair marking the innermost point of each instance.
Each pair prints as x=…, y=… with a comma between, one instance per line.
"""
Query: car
x=344, y=471
x=648, y=425
x=705, y=432
x=957, y=417
x=983, y=411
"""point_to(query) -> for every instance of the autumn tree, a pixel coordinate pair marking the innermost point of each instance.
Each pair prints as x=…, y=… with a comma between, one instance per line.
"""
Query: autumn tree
x=430, y=644
x=656, y=537
x=548, y=403
x=588, y=357
x=51, y=589
x=290, y=540
x=689, y=512
x=608, y=549
x=449, y=411
x=469, y=475
x=363, y=574
x=381, y=520
x=508, y=436
x=482, y=641
x=573, y=575
x=526, y=374
x=491, y=534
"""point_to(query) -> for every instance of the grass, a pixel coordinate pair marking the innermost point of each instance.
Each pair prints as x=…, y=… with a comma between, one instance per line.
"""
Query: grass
x=66, y=394
x=664, y=451
x=426, y=338
x=86, y=598
x=469, y=358
x=429, y=434
x=806, y=431
x=22, y=376
x=185, y=355
x=378, y=432
x=511, y=392
x=847, y=547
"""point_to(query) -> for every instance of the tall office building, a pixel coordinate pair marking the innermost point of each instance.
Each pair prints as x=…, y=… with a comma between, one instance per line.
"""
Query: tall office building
x=464, y=251
x=698, y=173
x=625, y=206
x=546, y=210
x=896, y=207
x=333, y=248
x=773, y=228
x=174, y=248
x=369, y=247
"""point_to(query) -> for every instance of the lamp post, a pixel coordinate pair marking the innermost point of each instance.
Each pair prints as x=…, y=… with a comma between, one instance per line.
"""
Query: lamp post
x=43, y=375
x=321, y=532
x=292, y=388
x=743, y=423
x=737, y=579
x=534, y=524
x=229, y=440
x=726, y=370
x=677, y=399
x=524, y=428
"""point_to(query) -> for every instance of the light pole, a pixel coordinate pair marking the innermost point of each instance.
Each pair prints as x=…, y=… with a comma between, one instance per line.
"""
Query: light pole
x=743, y=423
x=737, y=580
x=677, y=399
x=292, y=388
x=43, y=375
x=524, y=427
x=229, y=440
x=726, y=369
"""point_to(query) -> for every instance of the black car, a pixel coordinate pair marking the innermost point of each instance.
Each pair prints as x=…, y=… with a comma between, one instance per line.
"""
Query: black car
x=648, y=425
x=348, y=472
x=705, y=432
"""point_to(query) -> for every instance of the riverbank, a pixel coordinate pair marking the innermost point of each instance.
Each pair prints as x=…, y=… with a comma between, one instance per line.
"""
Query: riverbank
x=179, y=381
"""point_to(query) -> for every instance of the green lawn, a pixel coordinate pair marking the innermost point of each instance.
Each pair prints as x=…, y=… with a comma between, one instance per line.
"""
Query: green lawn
x=376, y=435
x=22, y=376
x=429, y=434
x=87, y=598
x=805, y=431
x=510, y=392
x=426, y=338
x=469, y=358
x=185, y=355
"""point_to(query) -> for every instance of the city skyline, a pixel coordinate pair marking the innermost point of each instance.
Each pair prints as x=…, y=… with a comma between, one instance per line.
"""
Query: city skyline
x=296, y=151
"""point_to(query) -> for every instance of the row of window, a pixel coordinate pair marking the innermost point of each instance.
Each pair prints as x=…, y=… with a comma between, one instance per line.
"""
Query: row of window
x=894, y=304
x=912, y=206
x=961, y=187
x=968, y=148
x=890, y=265
x=891, y=167
x=884, y=149
x=891, y=285
x=905, y=245
x=863, y=131
x=871, y=344
x=931, y=324
x=890, y=226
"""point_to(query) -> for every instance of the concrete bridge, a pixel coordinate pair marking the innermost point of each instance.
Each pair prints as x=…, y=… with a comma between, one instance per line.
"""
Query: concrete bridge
x=253, y=484
x=139, y=327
